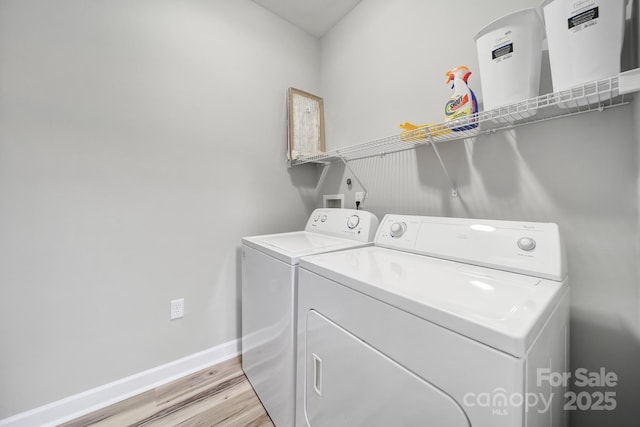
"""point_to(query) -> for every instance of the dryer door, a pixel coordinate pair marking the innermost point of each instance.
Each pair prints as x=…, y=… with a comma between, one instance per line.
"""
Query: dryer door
x=349, y=383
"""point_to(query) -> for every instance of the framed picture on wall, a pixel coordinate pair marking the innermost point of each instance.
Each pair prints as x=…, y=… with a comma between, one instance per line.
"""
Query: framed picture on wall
x=306, y=124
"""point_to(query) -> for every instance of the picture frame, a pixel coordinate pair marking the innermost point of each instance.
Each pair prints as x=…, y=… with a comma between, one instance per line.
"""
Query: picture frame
x=306, y=124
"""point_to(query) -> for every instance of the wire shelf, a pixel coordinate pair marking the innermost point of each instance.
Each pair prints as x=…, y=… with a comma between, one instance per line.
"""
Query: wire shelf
x=594, y=96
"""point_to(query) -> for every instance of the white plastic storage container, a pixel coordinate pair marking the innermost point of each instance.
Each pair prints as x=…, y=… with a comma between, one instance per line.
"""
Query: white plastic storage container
x=509, y=56
x=585, y=40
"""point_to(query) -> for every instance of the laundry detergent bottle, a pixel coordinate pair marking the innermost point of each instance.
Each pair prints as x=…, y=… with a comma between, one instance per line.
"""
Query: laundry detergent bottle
x=463, y=103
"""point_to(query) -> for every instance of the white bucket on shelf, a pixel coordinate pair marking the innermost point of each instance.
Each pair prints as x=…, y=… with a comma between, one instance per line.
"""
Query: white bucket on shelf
x=509, y=56
x=585, y=41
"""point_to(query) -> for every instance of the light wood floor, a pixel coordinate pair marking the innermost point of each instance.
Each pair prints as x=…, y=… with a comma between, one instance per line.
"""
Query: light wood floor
x=217, y=396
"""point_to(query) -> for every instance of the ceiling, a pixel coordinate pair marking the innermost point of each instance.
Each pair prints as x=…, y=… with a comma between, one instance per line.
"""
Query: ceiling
x=316, y=17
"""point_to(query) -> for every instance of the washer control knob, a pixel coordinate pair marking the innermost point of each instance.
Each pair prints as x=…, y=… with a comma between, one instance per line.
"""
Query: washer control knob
x=353, y=221
x=397, y=229
x=323, y=218
x=316, y=218
x=526, y=243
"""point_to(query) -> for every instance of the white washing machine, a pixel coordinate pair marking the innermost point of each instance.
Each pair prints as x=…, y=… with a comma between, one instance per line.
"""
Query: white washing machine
x=269, y=276
x=443, y=322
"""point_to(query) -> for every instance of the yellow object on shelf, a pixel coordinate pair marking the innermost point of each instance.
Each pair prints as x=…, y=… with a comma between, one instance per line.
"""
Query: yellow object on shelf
x=411, y=132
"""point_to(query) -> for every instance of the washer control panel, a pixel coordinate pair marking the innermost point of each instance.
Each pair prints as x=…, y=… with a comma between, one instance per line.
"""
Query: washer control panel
x=353, y=221
x=522, y=247
x=347, y=223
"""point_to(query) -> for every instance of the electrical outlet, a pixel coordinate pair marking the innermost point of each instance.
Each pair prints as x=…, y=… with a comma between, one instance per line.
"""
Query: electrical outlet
x=177, y=308
x=359, y=196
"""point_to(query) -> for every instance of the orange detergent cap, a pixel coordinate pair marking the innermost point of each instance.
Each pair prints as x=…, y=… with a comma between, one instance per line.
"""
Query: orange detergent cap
x=451, y=73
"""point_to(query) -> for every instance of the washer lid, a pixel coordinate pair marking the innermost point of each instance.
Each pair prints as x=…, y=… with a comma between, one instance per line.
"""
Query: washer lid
x=501, y=309
x=289, y=247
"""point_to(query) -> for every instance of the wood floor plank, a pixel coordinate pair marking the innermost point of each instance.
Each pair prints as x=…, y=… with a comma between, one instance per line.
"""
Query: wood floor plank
x=216, y=411
x=122, y=413
x=201, y=401
x=217, y=396
x=250, y=417
x=186, y=387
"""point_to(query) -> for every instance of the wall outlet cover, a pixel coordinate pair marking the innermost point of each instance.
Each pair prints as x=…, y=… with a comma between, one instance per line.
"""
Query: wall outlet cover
x=177, y=309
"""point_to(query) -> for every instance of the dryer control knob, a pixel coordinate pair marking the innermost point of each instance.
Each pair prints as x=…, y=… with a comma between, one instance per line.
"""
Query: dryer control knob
x=353, y=221
x=526, y=244
x=397, y=229
x=323, y=218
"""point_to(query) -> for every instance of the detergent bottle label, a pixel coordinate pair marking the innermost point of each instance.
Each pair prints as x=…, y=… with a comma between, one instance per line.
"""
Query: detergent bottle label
x=584, y=19
x=457, y=107
x=502, y=53
x=582, y=14
x=502, y=47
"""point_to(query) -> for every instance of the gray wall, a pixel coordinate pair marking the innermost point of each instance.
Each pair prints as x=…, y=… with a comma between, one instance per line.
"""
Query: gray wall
x=139, y=141
x=385, y=63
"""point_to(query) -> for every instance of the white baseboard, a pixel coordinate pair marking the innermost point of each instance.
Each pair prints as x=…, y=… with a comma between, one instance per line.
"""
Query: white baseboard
x=91, y=400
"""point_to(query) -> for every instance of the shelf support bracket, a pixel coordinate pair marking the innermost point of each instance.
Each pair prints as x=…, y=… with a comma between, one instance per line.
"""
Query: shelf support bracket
x=454, y=189
x=346, y=163
x=629, y=81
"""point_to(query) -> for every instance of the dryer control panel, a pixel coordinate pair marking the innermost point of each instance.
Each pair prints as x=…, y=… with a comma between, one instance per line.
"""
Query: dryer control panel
x=531, y=248
x=346, y=223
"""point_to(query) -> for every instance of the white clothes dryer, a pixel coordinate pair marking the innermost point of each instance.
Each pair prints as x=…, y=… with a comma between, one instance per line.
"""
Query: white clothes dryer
x=443, y=322
x=269, y=281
